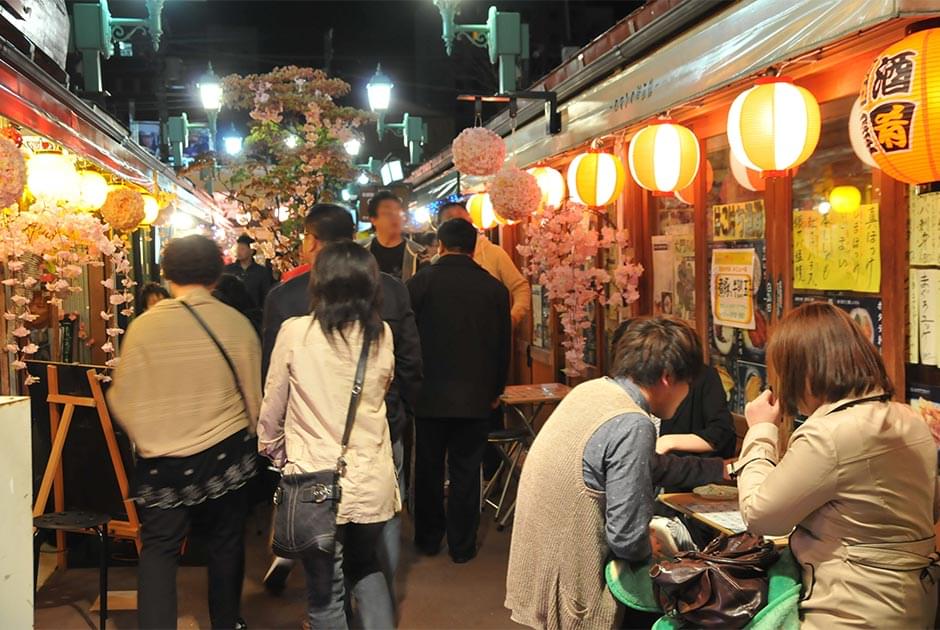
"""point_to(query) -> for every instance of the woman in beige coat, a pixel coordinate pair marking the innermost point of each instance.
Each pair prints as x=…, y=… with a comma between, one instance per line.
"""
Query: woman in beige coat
x=303, y=416
x=857, y=482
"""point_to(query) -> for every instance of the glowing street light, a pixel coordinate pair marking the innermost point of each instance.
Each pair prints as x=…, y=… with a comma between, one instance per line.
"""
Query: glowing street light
x=363, y=179
x=232, y=144
x=379, y=90
x=353, y=146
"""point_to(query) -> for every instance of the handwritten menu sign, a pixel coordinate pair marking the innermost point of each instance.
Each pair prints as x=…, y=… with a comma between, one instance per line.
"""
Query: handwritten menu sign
x=837, y=251
x=924, y=228
x=925, y=316
x=738, y=221
x=732, y=289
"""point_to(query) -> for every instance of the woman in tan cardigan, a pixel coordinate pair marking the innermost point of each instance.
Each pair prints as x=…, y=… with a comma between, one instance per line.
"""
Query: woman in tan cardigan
x=857, y=482
x=303, y=415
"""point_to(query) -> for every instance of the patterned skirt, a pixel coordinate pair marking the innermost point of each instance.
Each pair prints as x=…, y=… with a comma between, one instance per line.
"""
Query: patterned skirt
x=169, y=482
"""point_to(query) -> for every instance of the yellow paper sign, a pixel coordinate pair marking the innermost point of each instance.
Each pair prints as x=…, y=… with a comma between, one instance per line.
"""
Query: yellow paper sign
x=837, y=251
x=733, y=287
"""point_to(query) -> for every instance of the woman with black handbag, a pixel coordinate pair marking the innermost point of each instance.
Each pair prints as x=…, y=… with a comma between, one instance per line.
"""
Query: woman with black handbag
x=187, y=392
x=323, y=422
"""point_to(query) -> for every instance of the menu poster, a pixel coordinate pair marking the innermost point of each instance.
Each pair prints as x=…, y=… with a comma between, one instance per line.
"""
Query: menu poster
x=913, y=314
x=733, y=287
x=684, y=302
x=866, y=312
x=752, y=380
x=674, y=274
x=925, y=289
x=924, y=226
x=837, y=251
x=664, y=263
x=925, y=400
x=738, y=221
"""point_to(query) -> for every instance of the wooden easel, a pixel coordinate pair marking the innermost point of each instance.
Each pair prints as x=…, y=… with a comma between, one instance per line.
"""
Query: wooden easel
x=53, y=479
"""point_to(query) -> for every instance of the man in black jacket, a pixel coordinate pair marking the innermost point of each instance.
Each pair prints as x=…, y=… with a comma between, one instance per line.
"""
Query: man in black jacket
x=464, y=322
x=324, y=224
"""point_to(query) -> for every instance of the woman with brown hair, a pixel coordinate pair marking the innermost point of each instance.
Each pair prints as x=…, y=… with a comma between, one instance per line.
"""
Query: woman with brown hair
x=857, y=484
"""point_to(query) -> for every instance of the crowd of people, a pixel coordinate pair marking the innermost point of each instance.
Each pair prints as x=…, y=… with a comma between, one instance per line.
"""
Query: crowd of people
x=234, y=364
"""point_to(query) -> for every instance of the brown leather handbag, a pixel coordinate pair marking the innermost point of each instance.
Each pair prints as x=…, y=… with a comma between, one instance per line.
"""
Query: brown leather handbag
x=724, y=585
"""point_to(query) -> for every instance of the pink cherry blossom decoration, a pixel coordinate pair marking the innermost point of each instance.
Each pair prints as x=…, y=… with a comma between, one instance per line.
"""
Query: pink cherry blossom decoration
x=478, y=151
x=515, y=194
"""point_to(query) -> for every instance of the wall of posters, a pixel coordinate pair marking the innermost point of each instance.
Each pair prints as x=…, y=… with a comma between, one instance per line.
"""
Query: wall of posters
x=733, y=282
x=867, y=312
x=738, y=221
x=924, y=228
x=837, y=251
x=674, y=273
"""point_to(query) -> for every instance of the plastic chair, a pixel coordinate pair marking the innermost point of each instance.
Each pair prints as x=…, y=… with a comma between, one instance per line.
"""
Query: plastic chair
x=83, y=523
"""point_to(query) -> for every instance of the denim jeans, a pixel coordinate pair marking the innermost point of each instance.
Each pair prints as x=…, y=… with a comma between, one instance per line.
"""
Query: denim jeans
x=354, y=563
x=389, y=551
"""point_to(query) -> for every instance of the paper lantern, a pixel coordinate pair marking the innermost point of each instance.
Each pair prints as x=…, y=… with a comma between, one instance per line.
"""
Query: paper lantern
x=845, y=199
x=857, y=136
x=151, y=209
x=773, y=126
x=687, y=194
x=664, y=157
x=901, y=108
x=92, y=190
x=552, y=185
x=481, y=211
x=595, y=178
x=747, y=177
x=53, y=176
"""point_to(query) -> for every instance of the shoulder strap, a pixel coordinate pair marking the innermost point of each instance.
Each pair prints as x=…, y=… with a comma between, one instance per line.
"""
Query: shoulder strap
x=218, y=344
x=354, y=400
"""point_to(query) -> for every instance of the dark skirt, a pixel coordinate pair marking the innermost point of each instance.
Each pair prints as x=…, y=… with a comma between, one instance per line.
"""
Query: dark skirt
x=169, y=482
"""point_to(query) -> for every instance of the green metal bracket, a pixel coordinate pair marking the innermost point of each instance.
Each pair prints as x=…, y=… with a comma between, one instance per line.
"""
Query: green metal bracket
x=504, y=36
x=96, y=31
x=412, y=129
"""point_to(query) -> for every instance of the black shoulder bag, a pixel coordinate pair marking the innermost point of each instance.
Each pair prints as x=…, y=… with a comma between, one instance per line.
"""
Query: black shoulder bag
x=306, y=503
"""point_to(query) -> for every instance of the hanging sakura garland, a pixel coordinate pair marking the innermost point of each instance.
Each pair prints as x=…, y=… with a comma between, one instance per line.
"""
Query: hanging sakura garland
x=12, y=171
x=478, y=151
x=515, y=194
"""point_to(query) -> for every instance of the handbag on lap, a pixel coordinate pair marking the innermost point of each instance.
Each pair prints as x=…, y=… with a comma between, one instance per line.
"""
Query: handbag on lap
x=305, y=504
x=724, y=585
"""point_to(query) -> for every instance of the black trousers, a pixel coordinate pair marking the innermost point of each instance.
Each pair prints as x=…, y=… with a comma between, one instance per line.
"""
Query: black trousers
x=461, y=443
x=162, y=532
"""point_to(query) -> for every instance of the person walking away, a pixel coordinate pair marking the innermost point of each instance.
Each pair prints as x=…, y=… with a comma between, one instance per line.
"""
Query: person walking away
x=258, y=279
x=325, y=224
x=857, y=483
x=497, y=262
x=187, y=392
x=149, y=295
x=231, y=291
x=303, y=419
x=464, y=323
x=396, y=255
x=588, y=487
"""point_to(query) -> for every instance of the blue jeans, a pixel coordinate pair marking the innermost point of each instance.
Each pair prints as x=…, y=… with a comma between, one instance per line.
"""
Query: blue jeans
x=389, y=551
x=354, y=563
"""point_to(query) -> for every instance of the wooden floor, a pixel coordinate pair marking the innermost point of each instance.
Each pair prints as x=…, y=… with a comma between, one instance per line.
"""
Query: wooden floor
x=434, y=592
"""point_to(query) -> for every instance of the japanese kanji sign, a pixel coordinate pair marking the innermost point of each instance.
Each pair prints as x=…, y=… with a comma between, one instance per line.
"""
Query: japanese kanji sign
x=837, y=251
x=732, y=289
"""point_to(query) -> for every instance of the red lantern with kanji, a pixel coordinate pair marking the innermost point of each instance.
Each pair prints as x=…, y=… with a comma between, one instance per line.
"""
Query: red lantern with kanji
x=900, y=103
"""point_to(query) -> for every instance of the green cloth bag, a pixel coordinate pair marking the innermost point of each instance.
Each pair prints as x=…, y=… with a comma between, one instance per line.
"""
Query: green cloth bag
x=634, y=588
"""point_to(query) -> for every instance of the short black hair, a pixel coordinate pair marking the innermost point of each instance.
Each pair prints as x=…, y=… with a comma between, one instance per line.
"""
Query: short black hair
x=652, y=347
x=379, y=197
x=192, y=259
x=150, y=288
x=244, y=239
x=330, y=222
x=448, y=205
x=458, y=236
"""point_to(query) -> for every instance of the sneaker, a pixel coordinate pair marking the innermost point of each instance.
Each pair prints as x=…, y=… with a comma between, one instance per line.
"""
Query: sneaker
x=463, y=559
x=275, y=581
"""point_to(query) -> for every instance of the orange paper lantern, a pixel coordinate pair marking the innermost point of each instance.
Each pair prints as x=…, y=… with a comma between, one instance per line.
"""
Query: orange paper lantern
x=595, y=178
x=900, y=103
x=664, y=157
x=481, y=211
x=552, y=184
x=774, y=126
x=687, y=194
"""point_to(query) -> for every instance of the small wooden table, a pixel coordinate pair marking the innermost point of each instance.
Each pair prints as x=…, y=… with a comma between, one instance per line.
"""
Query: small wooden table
x=528, y=401
x=723, y=516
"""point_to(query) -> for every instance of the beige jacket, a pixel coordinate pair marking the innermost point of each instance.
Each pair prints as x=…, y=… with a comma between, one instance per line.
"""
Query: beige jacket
x=306, y=397
x=173, y=392
x=499, y=264
x=859, y=486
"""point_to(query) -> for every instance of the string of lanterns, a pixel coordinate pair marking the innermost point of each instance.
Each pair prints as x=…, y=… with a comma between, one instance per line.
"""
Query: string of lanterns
x=773, y=127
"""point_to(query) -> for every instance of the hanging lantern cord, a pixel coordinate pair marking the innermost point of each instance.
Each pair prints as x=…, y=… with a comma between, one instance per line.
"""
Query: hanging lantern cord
x=478, y=111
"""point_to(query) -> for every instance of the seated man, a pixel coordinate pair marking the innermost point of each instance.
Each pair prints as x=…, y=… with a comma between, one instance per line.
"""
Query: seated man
x=588, y=487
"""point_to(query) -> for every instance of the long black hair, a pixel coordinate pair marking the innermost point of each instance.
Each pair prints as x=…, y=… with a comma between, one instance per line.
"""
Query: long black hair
x=344, y=286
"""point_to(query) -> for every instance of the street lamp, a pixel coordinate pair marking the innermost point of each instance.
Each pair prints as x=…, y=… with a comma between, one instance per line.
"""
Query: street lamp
x=353, y=146
x=363, y=179
x=412, y=129
x=210, y=91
